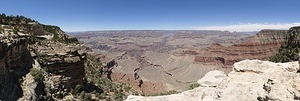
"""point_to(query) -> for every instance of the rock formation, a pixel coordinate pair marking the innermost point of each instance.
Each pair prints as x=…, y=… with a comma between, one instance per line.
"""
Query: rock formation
x=156, y=61
x=41, y=63
x=15, y=62
x=260, y=46
x=25, y=44
x=32, y=88
x=290, y=50
x=250, y=80
x=61, y=59
x=60, y=56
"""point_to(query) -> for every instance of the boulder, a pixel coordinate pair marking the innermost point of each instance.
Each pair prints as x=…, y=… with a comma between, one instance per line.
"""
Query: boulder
x=212, y=79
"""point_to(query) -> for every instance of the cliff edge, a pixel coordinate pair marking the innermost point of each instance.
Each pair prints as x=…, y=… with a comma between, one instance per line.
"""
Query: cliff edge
x=250, y=80
x=53, y=60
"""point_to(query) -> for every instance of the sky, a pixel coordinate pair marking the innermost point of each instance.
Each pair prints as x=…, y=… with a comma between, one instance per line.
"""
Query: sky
x=91, y=15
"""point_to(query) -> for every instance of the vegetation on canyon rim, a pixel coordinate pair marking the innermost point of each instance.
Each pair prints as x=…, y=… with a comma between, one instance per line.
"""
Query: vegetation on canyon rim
x=36, y=73
x=289, y=51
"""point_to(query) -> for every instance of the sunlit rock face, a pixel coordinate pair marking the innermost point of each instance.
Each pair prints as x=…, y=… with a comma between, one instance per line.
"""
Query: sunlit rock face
x=260, y=46
x=249, y=80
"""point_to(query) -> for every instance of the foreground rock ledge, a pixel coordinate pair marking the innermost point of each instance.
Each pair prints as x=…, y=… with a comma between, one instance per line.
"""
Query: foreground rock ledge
x=250, y=80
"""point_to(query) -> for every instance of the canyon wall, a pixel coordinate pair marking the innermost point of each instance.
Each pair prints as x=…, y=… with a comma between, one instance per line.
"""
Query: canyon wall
x=66, y=60
x=260, y=46
x=54, y=60
x=172, y=60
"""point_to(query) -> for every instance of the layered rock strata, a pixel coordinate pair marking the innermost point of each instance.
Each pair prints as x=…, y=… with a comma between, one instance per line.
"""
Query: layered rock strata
x=156, y=61
x=61, y=59
x=261, y=46
x=58, y=58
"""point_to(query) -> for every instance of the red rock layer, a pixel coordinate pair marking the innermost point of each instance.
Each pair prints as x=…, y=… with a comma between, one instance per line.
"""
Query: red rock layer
x=261, y=46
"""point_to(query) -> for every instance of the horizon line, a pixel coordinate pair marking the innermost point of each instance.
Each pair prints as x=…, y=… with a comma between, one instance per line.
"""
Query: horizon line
x=166, y=30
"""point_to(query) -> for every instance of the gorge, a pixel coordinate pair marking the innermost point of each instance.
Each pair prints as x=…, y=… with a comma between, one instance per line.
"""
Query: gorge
x=42, y=62
x=177, y=58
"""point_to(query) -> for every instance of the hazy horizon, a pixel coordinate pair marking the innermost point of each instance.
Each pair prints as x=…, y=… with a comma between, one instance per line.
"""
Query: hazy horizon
x=164, y=30
x=230, y=15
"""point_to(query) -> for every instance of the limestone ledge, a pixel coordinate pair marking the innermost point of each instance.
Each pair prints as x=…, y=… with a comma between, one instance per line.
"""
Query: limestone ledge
x=250, y=80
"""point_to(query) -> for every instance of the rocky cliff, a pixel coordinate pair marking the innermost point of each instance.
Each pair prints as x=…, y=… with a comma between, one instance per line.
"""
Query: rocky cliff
x=15, y=62
x=61, y=59
x=45, y=52
x=40, y=62
x=250, y=80
x=261, y=46
x=289, y=51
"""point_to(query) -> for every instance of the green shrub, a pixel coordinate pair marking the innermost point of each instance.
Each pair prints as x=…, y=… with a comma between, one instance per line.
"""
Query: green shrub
x=16, y=30
x=193, y=85
x=102, y=96
x=82, y=94
x=134, y=92
x=87, y=97
x=127, y=88
x=118, y=96
x=1, y=28
x=77, y=89
x=164, y=93
x=36, y=73
x=46, y=69
x=289, y=51
x=171, y=92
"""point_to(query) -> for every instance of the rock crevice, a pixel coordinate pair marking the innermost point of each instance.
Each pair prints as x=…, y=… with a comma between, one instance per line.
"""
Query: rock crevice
x=15, y=62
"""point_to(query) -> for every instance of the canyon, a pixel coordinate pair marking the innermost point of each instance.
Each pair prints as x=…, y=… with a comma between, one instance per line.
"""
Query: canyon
x=249, y=79
x=156, y=61
x=41, y=62
x=260, y=46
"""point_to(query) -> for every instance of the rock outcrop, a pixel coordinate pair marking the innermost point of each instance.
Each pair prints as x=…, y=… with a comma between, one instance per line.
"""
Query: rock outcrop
x=250, y=80
x=290, y=50
x=15, y=62
x=261, y=46
x=32, y=89
x=61, y=59
x=25, y=43
x=41, y=63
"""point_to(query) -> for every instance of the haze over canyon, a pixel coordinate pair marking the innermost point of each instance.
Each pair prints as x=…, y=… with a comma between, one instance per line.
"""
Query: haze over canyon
x=149, y=50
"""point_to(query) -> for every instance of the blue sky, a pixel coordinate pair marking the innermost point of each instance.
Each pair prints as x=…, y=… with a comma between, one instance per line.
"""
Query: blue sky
x=233, y=15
